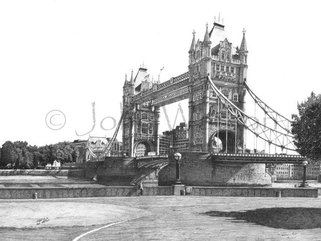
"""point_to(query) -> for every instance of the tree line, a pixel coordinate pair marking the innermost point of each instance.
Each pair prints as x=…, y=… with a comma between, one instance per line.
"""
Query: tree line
x=20, y=154
x=306, y=128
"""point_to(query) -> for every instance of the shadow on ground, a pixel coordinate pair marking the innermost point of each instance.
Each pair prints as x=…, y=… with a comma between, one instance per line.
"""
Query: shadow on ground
x=286, y=218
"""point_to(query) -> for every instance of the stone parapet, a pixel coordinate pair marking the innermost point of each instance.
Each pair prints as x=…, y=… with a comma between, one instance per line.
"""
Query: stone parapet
x=254, y=192
x=81, y=192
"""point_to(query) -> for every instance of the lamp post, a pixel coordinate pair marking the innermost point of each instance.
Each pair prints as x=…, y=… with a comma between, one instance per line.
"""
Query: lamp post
x=178, y=157
x=304, y=180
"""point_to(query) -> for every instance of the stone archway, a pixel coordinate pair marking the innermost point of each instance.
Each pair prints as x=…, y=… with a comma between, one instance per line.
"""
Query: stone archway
x=229, y=137
x=142, y=148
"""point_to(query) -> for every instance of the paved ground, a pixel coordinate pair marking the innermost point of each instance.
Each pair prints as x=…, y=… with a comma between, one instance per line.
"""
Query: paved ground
x=39, y=214
x=167, y=218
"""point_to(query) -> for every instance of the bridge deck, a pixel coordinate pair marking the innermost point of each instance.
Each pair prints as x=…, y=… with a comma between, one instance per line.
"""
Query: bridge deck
x=243, y=158
x=258, y=158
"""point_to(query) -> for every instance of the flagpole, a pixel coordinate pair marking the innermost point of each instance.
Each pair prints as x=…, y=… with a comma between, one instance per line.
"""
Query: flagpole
x=160, y=73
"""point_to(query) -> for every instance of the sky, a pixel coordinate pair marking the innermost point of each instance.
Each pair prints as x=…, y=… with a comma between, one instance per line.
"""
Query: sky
x=63, y=63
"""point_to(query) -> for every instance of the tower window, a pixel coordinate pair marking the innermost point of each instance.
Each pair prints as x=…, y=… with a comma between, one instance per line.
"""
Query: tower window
x=232, y=70
x=235, y=97
x=222, y=67
x=227, y=68
x=145, y=128
x=144, y=116
x=217, y=67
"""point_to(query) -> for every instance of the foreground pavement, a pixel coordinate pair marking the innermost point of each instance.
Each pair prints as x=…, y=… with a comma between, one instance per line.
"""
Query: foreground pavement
x=162, y=218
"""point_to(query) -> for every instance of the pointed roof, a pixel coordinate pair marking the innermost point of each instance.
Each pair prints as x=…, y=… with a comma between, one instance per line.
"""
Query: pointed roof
x=215, y=50
x=206, y=36
x=125, y=80
x=243, y=47
x=192, y=48
x=198, y=41
x=132, y=77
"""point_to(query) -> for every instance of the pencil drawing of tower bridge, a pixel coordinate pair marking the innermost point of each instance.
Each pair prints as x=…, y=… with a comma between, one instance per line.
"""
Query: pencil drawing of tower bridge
x=215, y=85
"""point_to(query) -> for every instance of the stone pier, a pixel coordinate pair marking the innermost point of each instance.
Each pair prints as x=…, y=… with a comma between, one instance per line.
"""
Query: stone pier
x=202, y=170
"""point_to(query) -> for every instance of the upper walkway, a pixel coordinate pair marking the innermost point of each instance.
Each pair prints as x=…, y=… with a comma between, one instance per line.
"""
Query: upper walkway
x=242, y=158
x=258, y=158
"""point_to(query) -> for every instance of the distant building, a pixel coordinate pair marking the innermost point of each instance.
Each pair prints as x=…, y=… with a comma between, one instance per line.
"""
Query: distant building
x=117, y=148
x=295, y=171
x=284, y=171
x=174, y=140
x=164, y=144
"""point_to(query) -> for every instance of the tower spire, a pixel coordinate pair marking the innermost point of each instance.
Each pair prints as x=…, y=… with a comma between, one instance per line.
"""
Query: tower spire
x=192, y=48
x=125, y=80
x=132, y=77
x=206, y=36
x=243, y=47
x=243, y=50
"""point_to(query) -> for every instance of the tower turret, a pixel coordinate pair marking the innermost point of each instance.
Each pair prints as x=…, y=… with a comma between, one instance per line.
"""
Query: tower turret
x=243, y=49
x=132, y=77
x=206, y=43
x=206, y=37
x=206, y=54
x=192, y=50
x=126, y=82
x=128, y=90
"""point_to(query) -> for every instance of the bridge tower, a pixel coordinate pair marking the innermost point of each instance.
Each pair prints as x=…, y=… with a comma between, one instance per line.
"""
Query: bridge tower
x=212, y=59
x=226, y=66
x=140, y=121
